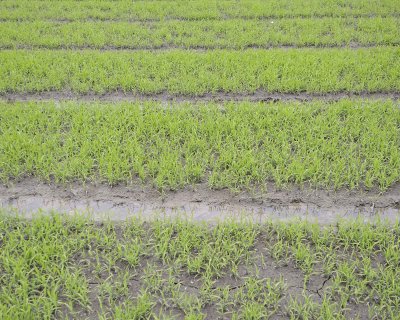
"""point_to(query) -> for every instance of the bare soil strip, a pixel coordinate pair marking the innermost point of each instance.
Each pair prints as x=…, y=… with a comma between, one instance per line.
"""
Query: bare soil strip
x=200, y=48
x=200, y=203
x=258, y=96
x=267, y=17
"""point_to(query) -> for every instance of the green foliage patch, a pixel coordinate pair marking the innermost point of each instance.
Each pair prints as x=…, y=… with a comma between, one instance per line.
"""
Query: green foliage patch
x=57, y=267
x=198, y=9
x=197, y=73
x=210, y=34
x=349, y=143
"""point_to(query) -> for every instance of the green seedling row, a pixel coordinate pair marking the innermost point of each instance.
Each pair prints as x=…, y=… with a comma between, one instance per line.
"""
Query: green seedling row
x=350, y=143
x=198, y=9
x=196, y=73
x=56, y=267
x=233, y=33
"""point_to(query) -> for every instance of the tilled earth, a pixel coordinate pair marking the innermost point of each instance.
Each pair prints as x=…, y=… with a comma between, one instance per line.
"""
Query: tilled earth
x=119, y=202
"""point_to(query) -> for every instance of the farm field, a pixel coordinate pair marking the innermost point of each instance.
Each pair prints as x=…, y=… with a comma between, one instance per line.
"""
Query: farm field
x=199, y=159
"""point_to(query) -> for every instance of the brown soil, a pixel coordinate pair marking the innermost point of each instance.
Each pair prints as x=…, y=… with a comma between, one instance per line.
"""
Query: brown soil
x=258, y=96
x=216, y=18
x=120, y=202
x=198, y=48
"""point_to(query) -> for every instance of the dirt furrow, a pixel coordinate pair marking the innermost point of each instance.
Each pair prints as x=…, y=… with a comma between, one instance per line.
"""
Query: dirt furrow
x=201, y=48
x=216, y=18
x=258, y=96
x=120, y=202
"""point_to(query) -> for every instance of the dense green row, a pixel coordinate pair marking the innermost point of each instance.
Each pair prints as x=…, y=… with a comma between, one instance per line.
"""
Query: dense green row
x=198, y=9
x=196, y=73
x=231, y=33
x=71, y=268
x=341, y=144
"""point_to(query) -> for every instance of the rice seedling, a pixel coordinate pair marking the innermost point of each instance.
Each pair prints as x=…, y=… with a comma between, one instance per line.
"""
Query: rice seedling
x=198, y=10
x=210, y=34
x=196, y=73
x=345, y=144
x=48, y=270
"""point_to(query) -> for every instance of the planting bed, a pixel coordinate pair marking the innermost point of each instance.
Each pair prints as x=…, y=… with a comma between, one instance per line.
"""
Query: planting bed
x=345, y=144
x=55, y=267
x=191, y=72
x=206, y=34
x=116, y=116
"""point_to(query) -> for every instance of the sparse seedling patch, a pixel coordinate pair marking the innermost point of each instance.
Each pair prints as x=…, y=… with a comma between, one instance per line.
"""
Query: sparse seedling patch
x=54, y=266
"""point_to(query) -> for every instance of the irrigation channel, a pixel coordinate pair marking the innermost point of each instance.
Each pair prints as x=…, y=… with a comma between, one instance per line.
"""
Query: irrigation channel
x=118, y=203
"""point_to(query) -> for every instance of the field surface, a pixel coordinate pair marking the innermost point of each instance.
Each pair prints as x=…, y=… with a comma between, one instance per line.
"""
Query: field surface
x=137, y=112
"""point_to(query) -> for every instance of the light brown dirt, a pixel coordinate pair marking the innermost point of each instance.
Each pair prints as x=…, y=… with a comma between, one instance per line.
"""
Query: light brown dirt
x=120, y=202
x=258, y=96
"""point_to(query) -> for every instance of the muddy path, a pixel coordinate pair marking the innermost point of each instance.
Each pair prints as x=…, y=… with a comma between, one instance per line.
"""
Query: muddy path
x=218, y=17
x=196, y=48
x=258, y=96
x=199, y=202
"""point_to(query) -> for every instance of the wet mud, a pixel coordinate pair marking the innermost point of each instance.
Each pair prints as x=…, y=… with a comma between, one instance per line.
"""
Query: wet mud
x=314, y=15
x=198, y=202
x=199, y=48
x=257, y=96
